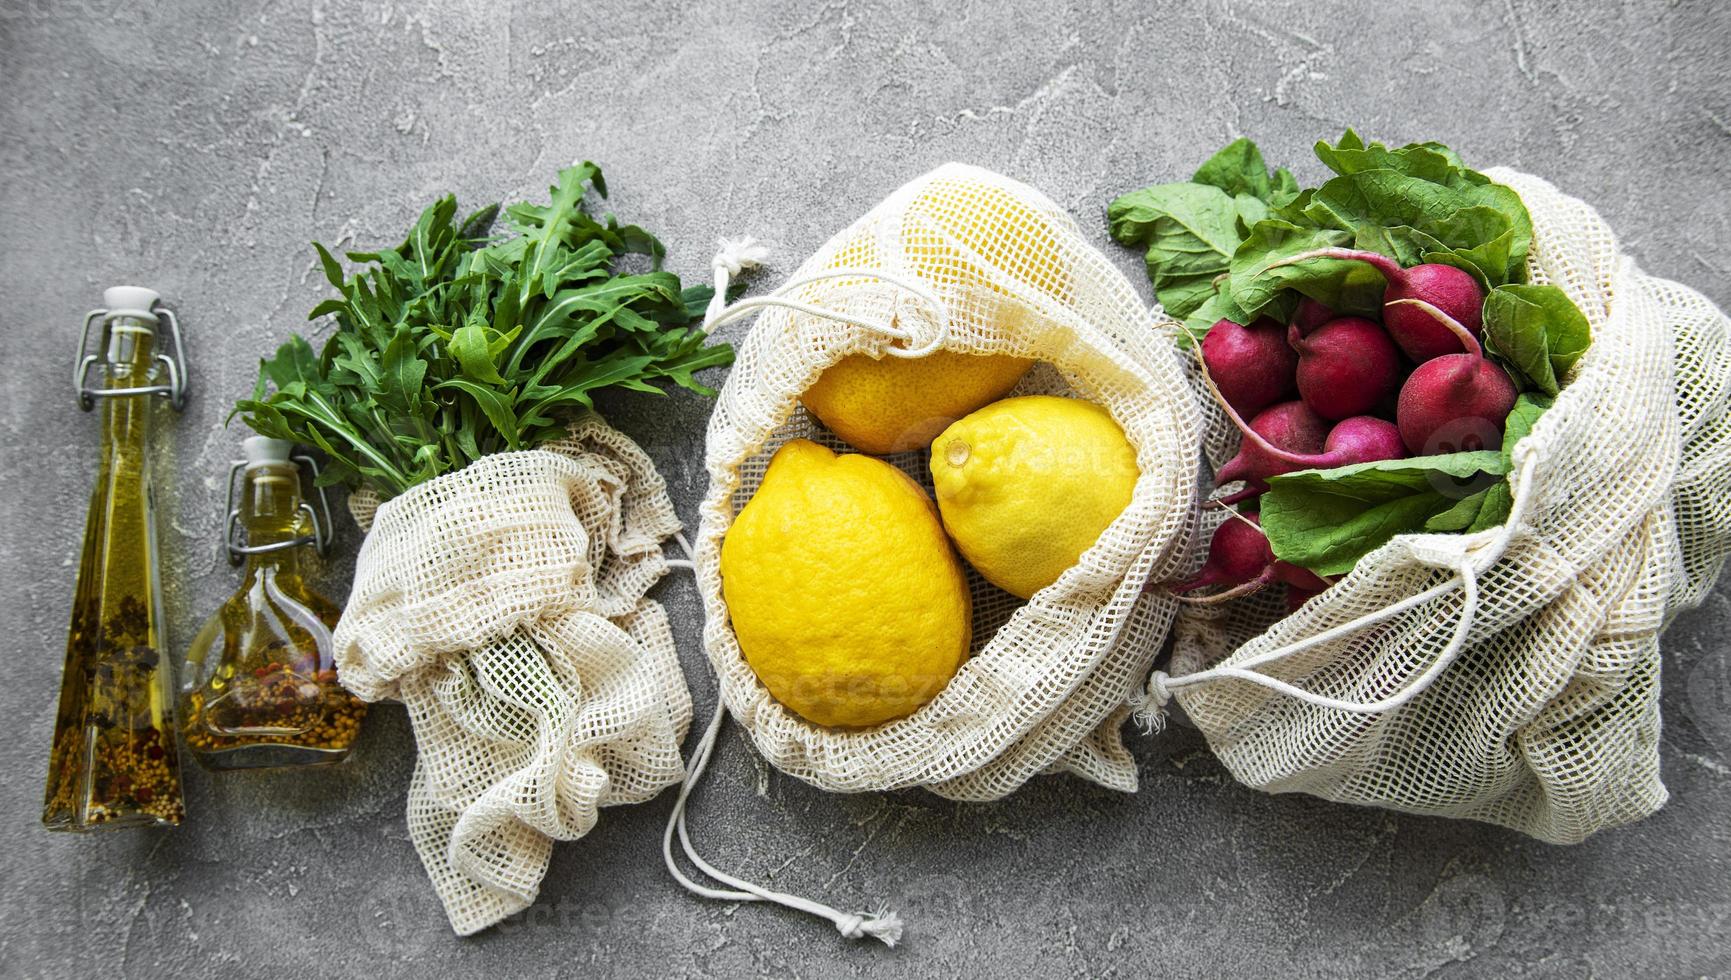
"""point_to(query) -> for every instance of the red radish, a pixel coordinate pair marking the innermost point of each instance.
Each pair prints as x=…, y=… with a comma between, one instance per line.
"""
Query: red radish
x=1346, y=367
x=1457, y=402
x=1418, y=332
x=1285, y=430
x=1360, y=439
x=1298, y=577
x=1290, y=436
x=1240, y=559
x=1252, y=365
x=1297, y=597
x=1310, y=315
x=1238, y=554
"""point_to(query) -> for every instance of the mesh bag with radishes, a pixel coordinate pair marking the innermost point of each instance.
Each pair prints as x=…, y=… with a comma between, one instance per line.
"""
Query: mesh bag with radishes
x=1468, y=462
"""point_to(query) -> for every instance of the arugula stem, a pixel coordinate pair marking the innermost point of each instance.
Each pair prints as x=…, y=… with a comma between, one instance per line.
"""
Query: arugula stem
x=335, y=426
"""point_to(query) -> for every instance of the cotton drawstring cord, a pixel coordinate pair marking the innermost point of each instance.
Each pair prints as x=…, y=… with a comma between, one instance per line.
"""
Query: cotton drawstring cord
x=1150, y=712
x=882, y=924
x=688, y=562
x=736, y=256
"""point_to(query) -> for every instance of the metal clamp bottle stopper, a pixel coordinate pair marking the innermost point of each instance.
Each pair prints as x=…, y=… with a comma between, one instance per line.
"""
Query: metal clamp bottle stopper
x=130, y=303
x=263, y=451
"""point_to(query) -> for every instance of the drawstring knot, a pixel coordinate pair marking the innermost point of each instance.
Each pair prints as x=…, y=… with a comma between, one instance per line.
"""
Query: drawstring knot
x=738, y=255
x=1149, y=711
x=882, y=925
x=735, y=256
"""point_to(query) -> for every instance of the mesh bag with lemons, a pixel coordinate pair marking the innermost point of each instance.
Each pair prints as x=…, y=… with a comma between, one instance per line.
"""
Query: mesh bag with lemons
x=950, y=455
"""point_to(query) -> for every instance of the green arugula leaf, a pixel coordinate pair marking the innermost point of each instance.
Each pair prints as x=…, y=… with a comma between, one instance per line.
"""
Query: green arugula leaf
x=497, y=405
x=469, y=346
x=459, y=342
x=333, y=271
x=294, y=362
x=1537, y=331
x=1326, y=520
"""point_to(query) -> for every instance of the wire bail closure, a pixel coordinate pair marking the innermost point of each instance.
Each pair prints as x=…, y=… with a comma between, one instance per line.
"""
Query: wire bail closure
x=175, y=366
x=320, y=519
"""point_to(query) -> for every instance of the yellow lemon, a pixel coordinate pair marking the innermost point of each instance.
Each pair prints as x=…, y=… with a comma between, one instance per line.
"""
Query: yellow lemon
x=1025, y=485
x=897, y=404
x=953, y=230
x=846, y=597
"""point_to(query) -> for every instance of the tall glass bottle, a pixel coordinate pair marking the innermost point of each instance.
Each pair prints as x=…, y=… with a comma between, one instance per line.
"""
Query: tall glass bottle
x=113, y=761
x=261, y=685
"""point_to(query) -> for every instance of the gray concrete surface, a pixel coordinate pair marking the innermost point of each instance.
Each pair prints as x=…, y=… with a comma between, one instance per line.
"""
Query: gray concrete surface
x=197, y=146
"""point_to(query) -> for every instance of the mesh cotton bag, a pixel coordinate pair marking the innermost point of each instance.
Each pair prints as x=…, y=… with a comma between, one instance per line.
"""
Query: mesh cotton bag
x=966, y=260
x=504, y=605
x=1510, y=676
x=963, y=259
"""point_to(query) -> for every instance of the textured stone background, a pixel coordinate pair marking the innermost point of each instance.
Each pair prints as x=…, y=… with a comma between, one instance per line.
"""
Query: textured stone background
x=197, y=146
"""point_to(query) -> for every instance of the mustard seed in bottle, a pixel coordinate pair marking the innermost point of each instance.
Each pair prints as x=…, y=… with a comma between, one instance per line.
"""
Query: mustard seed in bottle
x=261, y=685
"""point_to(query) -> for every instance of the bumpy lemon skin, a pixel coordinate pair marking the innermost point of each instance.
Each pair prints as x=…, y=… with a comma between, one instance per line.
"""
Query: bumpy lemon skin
x=846, y=597
x=896, y=404
x=1025, y=485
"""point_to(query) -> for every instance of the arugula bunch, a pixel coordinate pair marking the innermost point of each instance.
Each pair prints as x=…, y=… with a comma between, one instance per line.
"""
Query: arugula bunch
x=1226, y=245
x=459, y=343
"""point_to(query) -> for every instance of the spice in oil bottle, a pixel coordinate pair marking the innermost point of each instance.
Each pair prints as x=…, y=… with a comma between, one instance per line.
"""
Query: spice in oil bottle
x=113, y=761
x=261, y=685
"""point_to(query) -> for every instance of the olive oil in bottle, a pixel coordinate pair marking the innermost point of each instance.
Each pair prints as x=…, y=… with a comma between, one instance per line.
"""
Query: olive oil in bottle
x=260, y=687
x=113, y=761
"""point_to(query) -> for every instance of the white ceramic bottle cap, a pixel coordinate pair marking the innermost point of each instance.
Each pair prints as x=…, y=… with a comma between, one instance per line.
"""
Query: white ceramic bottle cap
x=130, y=299
x=263, y=450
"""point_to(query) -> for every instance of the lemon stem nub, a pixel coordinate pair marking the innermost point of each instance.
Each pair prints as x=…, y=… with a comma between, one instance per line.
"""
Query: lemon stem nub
x=957, y=452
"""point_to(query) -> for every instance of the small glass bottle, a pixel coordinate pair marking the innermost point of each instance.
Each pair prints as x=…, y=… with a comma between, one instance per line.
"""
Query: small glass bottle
x=113, y=761
x=260, y=686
